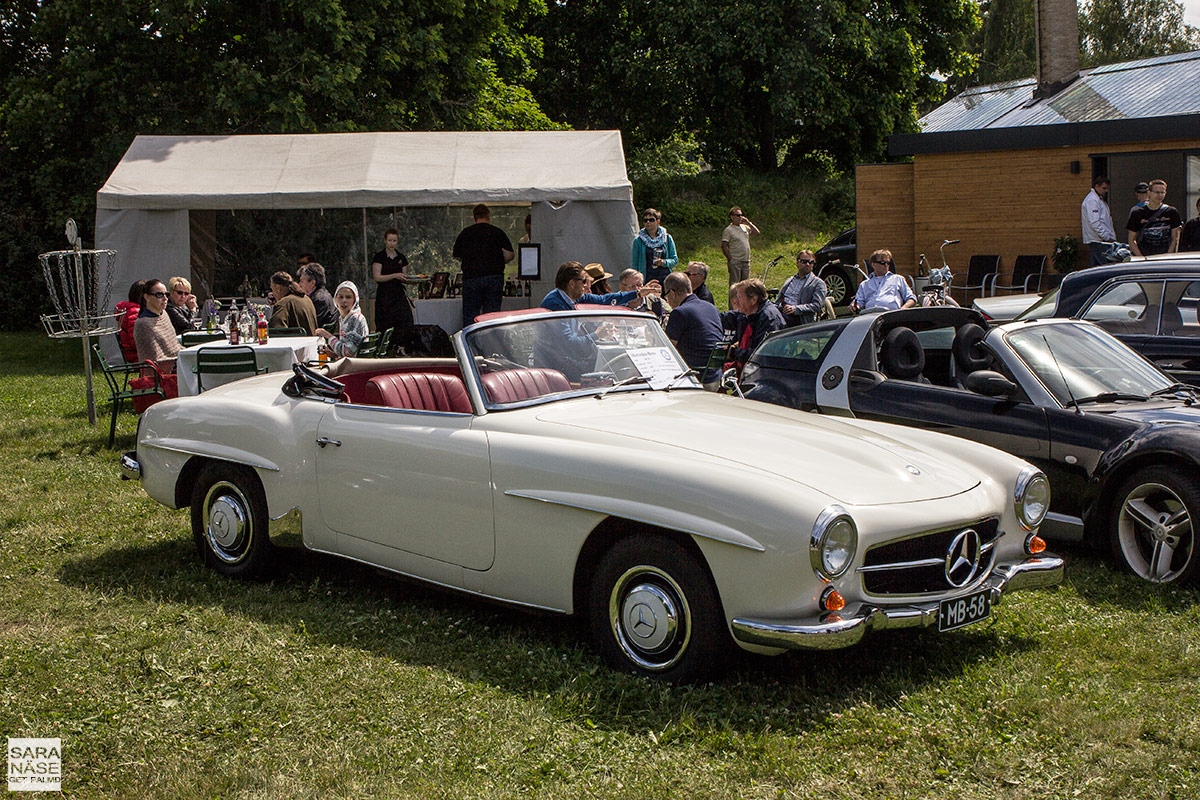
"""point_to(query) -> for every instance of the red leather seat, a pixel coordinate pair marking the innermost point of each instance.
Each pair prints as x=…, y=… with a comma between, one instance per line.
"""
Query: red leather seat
x=514, y=385
x=422, y=391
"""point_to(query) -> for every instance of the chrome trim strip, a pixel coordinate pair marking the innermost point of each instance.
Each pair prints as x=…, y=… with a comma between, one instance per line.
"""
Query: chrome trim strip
x=756, y=547
x=833, y=631
x=924, y=562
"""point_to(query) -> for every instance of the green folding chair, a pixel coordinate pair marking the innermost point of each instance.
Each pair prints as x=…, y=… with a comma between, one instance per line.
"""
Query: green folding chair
x=119, y=377
x=190, y=338
x=287, y=332
x=372, y=346
x=225, y=361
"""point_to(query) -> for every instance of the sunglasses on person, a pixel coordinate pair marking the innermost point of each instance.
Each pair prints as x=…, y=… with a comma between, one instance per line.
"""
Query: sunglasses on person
x=159, y=295
x=649, y=219
x=806, y=261
x=884, y=263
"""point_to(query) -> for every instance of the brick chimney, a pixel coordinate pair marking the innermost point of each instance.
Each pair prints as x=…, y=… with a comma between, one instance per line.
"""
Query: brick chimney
x=1057, y=23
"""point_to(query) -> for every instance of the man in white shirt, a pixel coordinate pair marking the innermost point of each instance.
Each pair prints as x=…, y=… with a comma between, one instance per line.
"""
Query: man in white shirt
x=884, y=289
x=1098, y=231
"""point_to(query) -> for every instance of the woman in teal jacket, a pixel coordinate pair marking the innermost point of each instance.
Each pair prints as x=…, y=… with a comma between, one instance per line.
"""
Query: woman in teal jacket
x=653, y=248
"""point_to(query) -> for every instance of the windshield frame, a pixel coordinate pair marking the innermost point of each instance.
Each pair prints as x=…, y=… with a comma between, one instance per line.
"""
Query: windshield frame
x=471, y=361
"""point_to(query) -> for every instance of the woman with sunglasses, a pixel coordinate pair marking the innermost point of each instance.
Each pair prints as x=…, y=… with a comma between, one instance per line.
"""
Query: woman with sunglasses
x=153, y=331
x=653, y=248
x=181, y=305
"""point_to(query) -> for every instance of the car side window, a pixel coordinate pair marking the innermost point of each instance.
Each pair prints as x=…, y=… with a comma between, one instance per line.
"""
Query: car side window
x=1128, y=307
x=803, y=345
x=1183, y=320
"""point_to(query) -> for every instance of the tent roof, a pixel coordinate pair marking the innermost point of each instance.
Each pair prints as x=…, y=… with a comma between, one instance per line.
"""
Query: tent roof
x=354, y=170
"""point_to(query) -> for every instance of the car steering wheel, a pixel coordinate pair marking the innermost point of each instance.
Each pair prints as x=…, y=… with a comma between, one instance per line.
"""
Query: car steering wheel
x=306, y=379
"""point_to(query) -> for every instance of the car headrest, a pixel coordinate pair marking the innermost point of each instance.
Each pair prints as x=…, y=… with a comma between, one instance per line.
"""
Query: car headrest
x=902, y=356
x=969, y=355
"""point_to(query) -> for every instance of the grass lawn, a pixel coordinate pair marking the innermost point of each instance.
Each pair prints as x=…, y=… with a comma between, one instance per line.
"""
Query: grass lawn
x=164, y=680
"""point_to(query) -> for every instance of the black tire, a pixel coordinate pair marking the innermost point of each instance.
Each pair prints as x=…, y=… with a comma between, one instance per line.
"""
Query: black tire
x=229, y=521
x=1152, y=526
x=654, y=611
x=837, y=281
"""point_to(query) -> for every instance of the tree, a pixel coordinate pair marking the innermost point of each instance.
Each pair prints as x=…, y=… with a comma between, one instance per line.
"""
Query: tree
x=80, y=78
x=755, y=83
x=1112, y=31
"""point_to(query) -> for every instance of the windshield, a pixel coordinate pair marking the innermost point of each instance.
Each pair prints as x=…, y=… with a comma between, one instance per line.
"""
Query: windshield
x=1082, y=362
x=574, y=353
x=1042, y=308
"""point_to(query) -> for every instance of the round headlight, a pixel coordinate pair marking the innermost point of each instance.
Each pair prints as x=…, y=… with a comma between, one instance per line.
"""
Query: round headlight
x=1032, y=497
x=833, y=543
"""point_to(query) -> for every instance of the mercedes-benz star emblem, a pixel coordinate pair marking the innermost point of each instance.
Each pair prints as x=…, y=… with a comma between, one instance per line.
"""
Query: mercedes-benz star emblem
x=641, y=625
x=962, y=558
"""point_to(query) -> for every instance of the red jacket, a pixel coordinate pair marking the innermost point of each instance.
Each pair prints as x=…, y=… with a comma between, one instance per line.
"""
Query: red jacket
x=125, y=334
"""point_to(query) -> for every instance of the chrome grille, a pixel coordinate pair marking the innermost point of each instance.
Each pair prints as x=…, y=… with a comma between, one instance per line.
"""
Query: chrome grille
x=917, y=564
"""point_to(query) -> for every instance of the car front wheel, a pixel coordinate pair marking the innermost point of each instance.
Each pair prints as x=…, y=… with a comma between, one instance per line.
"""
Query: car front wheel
x=1153, y=531
x=229, y=520
x=653, y=610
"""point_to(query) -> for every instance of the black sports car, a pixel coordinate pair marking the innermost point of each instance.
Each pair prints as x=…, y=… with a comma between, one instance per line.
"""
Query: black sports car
x=1119, y=439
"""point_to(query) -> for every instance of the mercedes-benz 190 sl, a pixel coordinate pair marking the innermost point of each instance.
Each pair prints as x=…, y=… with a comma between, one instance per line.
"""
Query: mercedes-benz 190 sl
x=571, y=462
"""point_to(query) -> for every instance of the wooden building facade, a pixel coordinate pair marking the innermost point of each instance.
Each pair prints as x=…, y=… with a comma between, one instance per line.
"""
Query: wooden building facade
x=1004, y=173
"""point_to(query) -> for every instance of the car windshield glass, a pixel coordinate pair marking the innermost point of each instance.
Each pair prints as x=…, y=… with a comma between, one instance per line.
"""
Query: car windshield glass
x=807, y=343
x=573, y=353
x=1082, y=362
x=1042, y=308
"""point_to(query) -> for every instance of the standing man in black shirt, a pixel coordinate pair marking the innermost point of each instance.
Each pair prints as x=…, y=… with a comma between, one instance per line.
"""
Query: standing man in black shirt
x=1154, y=228
x=483, y=250
x=1189, y=242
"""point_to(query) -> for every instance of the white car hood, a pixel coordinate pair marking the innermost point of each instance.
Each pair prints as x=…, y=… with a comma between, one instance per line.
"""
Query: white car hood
x=848, y=463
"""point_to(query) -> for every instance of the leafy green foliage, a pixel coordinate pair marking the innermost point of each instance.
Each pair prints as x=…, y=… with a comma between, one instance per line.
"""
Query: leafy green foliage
x=78, y=80
x=759, y=84
x=1124, y=30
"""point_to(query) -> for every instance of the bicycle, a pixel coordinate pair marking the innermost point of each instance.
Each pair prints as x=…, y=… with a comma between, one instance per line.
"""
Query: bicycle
x=936, y=293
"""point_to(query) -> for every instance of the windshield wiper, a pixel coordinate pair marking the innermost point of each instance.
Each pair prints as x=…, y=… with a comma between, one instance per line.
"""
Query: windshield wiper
x=1176, y=388
x=622, y=382
x=684, y=374
x=1107, y=397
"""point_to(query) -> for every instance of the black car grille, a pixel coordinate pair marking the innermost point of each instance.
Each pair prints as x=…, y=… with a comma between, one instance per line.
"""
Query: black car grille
x=917, y=564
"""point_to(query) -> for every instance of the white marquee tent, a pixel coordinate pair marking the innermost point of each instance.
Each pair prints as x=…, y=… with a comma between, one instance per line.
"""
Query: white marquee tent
x=575, y=181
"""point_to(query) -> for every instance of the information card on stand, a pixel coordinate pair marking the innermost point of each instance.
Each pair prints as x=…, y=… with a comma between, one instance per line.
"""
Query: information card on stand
x=656, y=364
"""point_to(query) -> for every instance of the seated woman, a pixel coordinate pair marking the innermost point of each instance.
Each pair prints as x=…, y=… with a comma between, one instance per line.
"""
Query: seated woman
x=352, y=327
x=155, y=336
x=129, y=313
x=181, y=305
x=752, y=319
x=292, y=307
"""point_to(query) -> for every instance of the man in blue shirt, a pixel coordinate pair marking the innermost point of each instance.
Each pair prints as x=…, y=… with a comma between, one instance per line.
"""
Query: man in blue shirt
x=694, y=326
x=884, y=289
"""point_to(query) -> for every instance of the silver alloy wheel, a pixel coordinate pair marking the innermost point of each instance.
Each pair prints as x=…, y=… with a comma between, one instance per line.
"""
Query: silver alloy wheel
x=1154, y=532
x=650, y=617
x=836, y=285
x=228, y=522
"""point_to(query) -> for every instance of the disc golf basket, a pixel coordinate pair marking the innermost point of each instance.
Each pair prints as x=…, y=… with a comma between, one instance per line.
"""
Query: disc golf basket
x=79, y=283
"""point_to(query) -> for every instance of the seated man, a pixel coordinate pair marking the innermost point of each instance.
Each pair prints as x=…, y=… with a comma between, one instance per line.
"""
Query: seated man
x=694, y=326
x=631, y=281
x=697, y=274
x=802, y=298
x=752, y=319
x=884, y=289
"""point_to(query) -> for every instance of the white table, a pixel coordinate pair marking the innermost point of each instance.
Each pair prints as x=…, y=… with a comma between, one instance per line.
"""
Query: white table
x=277, y=355
x=447, y=313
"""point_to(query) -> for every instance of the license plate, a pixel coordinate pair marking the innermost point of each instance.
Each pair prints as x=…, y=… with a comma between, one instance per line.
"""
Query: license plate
x=964, y=610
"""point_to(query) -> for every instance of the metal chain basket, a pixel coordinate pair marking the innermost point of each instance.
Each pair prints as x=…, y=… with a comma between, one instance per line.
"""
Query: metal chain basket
x=79, y=283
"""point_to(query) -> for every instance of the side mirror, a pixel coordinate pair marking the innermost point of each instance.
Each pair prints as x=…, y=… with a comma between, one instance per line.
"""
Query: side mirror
x=729, y=383
x=990, y=384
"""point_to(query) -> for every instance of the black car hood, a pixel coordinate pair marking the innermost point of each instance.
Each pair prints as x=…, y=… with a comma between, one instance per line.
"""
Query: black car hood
x=1154, y=412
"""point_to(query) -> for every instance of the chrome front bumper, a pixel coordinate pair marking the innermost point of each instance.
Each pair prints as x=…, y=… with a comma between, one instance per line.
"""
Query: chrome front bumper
x=832, y=630
x=131, y=470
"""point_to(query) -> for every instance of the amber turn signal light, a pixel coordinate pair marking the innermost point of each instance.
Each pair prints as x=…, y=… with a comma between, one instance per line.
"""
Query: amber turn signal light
x=832, y=600
x=1034, y=545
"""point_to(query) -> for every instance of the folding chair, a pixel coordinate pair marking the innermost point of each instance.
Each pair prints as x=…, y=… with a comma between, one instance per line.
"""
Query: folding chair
x=225, y=361
x=981, y=273
x=120, y=378
x=373, y=345
x=1026, y=270
x=190, y=338
x=288, y=332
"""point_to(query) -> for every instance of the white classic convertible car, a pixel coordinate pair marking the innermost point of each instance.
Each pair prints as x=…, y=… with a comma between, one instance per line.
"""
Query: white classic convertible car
x=571, y=462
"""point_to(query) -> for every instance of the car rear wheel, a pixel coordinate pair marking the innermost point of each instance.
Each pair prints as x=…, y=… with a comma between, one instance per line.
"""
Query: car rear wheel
x=837, y=281
x=229, y=520
x=1153, y=530
x=653, y=610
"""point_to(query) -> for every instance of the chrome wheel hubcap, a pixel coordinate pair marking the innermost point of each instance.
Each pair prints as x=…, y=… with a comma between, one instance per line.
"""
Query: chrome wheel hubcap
x=1155, y=533
x=650, y=617
x=228, y=526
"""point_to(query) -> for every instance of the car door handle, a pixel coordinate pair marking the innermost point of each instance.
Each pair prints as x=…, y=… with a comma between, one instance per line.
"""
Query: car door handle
x=322, y=441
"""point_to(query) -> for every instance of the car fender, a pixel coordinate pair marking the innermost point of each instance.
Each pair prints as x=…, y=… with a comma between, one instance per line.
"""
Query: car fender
x=1177, y=444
